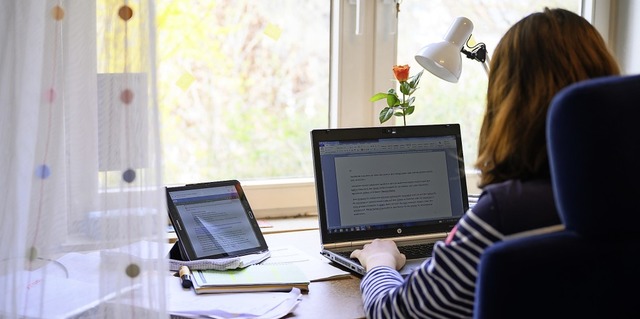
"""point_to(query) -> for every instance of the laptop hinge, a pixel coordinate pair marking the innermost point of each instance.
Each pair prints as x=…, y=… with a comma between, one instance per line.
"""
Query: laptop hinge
x=398, y=240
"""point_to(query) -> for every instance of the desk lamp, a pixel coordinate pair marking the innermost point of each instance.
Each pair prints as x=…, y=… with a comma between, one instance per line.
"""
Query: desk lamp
x=443, y=58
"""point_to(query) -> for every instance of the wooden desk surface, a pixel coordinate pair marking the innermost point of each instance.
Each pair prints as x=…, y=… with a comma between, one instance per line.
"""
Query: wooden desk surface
x=339, y=298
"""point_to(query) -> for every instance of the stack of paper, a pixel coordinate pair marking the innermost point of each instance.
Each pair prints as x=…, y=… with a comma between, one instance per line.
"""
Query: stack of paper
x=39, y=295
x=263, y=305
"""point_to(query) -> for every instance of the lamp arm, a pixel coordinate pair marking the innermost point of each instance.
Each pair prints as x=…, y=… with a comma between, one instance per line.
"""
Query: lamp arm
x=485, y=65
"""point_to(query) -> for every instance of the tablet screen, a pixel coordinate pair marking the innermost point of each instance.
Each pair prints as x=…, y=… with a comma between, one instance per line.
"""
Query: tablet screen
x=214, y=220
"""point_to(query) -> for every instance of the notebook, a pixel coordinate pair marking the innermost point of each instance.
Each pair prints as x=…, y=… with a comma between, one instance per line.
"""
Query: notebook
x=255, y=278
x=402, y=183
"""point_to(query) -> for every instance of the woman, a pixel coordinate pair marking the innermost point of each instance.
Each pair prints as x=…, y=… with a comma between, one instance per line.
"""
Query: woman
x=538, y=56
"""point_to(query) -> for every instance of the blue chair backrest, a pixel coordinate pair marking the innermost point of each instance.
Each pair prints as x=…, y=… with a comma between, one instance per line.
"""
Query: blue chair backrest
x=593, y=133
x=590, y=269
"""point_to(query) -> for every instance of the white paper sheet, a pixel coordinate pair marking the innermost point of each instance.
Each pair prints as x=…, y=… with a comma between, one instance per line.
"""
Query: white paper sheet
x=315, y=267
x=258, y=305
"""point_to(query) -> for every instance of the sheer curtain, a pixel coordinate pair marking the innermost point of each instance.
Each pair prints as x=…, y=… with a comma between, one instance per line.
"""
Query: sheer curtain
x=81, y=199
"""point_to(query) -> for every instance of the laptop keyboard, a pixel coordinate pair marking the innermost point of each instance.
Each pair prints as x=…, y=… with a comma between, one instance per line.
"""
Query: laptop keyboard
x=417, y=251
x=410, y=251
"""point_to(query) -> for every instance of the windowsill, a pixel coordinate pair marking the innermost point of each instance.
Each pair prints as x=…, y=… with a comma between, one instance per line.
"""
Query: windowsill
x=285, y=199
x=276, y=225
x=283, y=225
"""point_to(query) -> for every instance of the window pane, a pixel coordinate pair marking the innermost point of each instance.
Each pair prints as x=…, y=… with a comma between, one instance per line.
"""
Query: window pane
x=438, y=101
x=241, y=84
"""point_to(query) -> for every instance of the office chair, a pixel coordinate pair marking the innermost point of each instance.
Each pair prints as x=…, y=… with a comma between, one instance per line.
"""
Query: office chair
x=591, y=269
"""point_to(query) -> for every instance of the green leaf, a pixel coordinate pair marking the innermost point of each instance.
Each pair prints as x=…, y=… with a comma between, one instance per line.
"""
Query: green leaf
x=398, y=113
x=405, y=88
x=409, y=110
x=392, y=100
x=414, y=80
x=385, y=114
x=378, y=96
x=411, y=100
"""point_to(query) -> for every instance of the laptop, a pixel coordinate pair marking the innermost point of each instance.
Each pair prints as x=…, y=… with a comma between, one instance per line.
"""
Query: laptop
x=402, y=183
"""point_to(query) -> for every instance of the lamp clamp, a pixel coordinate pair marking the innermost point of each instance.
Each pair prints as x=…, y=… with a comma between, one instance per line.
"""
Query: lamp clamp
x=478, y=52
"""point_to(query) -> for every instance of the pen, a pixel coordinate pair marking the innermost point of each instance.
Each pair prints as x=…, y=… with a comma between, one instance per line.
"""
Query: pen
x=185, y=277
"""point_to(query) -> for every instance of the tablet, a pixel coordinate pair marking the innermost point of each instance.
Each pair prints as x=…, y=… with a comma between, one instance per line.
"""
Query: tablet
x=213, y=220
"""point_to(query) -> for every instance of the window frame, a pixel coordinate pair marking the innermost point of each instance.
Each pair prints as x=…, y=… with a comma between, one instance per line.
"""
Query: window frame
x=363, y=43
x=356, y=61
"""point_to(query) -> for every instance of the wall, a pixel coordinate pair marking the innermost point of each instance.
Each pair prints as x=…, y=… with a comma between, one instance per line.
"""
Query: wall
x=626, y=24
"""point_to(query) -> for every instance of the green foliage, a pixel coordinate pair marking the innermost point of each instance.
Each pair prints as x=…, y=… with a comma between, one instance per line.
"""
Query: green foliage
x=234, y=98
x=395, y=105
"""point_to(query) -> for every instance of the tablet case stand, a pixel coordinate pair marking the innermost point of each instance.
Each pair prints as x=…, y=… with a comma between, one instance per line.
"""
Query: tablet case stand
x=176, y=252
x=177, y=259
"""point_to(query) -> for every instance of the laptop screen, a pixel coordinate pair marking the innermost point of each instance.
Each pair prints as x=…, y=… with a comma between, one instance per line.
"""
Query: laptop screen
x=382, y=180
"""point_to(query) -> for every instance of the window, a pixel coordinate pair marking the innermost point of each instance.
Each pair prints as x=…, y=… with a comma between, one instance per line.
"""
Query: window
x=438, y=101
x=241, y=82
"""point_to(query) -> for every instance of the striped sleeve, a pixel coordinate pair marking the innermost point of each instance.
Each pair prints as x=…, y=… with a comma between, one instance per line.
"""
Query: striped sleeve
x=443, y=287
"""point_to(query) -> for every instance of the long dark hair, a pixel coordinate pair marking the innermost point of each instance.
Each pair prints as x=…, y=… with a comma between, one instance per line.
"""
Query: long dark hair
x=537, y=57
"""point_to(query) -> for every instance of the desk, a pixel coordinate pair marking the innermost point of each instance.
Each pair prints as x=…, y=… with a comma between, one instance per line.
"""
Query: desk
x=339, y=298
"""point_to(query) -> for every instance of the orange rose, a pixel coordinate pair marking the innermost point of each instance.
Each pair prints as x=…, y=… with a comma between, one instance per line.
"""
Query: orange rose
x=399, y=105
x=401, y=72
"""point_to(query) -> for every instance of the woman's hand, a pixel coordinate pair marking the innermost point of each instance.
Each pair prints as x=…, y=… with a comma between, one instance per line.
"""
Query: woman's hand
x=380, y=252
